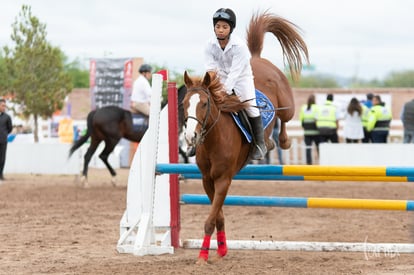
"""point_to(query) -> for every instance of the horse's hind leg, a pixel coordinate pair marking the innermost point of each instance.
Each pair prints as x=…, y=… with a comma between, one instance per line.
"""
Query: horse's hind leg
x=109, y=147
x=284, y=141
x=87, y=158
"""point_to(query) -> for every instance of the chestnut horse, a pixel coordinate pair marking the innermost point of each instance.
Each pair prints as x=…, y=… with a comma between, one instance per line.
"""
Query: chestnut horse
x=221, y=150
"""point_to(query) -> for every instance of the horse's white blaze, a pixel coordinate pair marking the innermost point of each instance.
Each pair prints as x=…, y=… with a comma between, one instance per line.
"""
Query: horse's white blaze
x=191, y=123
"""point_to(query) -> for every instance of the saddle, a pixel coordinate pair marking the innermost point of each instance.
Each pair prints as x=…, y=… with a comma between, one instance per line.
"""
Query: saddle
x=267, y=112
x=139, y=122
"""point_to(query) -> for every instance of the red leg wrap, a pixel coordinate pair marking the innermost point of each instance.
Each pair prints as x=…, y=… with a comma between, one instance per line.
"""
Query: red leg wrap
x=221, y=243
x=205, y=247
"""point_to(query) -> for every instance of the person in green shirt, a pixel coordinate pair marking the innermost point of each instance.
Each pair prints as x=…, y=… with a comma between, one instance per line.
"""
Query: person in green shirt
x=327, y=121
x=379, y=121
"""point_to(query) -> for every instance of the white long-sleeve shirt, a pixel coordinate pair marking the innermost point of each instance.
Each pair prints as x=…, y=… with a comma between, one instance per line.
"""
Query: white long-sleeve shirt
x=233, y=67
x=353, y=128
x=141, y=90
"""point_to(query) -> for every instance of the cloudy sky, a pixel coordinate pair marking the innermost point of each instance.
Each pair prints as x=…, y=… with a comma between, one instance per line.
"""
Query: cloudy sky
x=368, y=39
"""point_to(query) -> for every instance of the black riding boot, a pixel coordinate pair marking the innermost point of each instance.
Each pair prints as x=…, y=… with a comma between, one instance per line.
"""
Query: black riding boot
x=260, y=149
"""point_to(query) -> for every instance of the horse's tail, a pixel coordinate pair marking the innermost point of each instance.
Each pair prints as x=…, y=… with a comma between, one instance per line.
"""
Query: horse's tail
x=78, y=143
x=293, y=46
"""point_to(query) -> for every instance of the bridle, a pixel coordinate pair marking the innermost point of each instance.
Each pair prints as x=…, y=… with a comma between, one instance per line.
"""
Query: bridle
x=204, y=131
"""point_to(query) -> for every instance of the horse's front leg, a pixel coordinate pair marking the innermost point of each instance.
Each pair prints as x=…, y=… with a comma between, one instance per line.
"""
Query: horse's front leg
x=217, y=194
x=221, y=237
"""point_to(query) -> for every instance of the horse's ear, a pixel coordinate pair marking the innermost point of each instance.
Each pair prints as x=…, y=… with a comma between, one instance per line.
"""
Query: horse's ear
x=187, y=80
x=207, y=79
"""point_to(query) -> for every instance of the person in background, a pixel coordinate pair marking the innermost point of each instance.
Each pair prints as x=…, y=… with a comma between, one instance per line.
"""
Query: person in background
x=365, y=117
x=368, y=101
x=275, y=137
x=141, y=98
x=307, y=117
x=353, y=129
x=366, y=108
x=407, y=118
x=327, y=121
x=379, y=121
x=5, y=129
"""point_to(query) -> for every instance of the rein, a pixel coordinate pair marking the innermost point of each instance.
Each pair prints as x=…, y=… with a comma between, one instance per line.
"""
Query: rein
x=203, y=123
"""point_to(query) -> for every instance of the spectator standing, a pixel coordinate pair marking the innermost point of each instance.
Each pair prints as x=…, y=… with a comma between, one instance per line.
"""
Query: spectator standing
x=366, y=109
x=5, y=129
x=368, y=102
x=407, y=118
x=365, y=117
x=275, y=137
x=353, y=129
x=307, y=117
x=327, y=121
x=379, y=121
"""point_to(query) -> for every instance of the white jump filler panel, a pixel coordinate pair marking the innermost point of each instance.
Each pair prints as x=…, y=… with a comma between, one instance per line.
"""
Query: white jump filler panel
x=363, y=154
x=145, y=225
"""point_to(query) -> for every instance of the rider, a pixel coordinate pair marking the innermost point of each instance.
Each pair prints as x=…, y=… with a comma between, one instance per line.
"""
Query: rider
x=141, y=98
x=229, y=56
x=141, y=91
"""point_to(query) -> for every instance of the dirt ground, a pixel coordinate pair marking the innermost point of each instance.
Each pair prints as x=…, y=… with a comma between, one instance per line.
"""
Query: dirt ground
x=49, y=224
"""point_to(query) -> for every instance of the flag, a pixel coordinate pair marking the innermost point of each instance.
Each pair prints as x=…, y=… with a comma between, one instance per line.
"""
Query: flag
x=164, y=74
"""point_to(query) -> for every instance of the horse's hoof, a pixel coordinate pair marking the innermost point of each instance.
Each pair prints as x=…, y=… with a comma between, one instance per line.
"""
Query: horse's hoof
x=84, y=182
x=288, y=143
x=201, y=261
x=113, y=181
x=285, y=144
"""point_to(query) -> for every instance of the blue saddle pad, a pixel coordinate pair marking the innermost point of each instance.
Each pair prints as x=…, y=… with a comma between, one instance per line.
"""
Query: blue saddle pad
x=139, y=122
x=267, y=113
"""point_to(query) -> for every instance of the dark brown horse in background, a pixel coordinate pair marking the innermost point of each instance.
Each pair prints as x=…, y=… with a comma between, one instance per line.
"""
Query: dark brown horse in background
x=221, y=150
x=108, y=124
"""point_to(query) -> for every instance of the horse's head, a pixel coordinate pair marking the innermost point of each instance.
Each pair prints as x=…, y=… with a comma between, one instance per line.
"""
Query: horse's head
x=197, y=106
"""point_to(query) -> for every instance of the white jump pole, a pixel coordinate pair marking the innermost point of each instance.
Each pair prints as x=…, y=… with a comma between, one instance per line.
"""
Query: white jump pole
x=390, y=248
x=145, y=225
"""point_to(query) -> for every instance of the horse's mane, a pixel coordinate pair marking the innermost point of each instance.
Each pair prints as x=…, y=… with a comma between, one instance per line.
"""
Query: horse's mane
x=224, y=101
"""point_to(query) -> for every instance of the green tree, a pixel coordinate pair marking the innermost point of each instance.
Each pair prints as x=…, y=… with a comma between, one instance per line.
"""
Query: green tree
x=400, y=79
x=313, y=81
x=38, y=81
x=78, y=75
x=3, y=80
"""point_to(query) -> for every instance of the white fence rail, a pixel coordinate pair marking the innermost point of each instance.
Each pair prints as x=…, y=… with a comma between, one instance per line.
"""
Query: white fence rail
x=51, y=157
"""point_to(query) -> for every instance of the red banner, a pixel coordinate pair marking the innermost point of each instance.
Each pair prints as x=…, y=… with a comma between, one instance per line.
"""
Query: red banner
x=128, y=74
x=92, y=73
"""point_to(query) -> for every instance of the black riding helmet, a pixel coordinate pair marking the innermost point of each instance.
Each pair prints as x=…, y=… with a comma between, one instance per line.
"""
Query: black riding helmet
x=226, y=15
x=145, y=68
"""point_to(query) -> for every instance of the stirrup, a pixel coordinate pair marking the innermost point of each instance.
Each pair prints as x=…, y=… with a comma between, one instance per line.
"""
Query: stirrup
x=258, y=153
